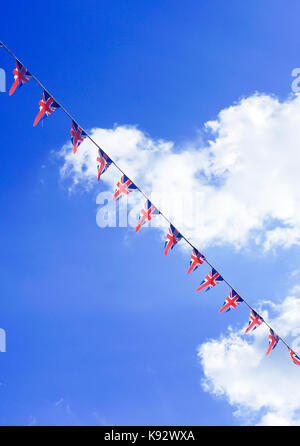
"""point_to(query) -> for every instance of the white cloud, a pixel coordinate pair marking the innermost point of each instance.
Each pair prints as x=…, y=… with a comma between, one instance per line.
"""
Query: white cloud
x=241, y=185
x=262, y=389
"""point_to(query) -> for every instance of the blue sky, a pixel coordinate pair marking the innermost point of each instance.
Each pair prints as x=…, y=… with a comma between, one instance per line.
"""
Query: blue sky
x=101, y=327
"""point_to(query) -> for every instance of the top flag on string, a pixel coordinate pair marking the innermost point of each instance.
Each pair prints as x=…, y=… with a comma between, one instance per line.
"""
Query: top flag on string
x=273, y=340
x=173, y=237
x=211, y=280
x=196, y=260
x=47, y=106
x=21, y=76
x=231, y=301
x=124, y=187
x=77, y=135
x=255, y=321
x=104, y=163
x=146, y=214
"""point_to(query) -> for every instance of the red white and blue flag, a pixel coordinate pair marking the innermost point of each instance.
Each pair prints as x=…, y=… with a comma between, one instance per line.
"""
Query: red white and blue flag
x=104, y=163
x=21, y=76
x=173, y=237
x=231, y=301
x=273, y=340
x=146, y=214
x=196, y=260
x=294, y=357
x=255, y=321
x=211, y=280
x=124, y=187
x=47, y=106
x=77, y=135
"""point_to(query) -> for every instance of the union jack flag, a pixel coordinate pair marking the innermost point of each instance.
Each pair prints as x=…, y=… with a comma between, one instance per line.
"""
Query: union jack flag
x=124, y=187
x=21, y=76
x=47, y=106
x=273, y=340
x=255, y=321
x=211, y=280
x=196, y=259
x=231, y=301
x=294, y=357
x=173, y=237
x=77, y=135
x=146, y=214
x=104, y=162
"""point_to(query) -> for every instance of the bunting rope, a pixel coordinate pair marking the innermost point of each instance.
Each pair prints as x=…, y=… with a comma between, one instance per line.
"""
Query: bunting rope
x=48, y=105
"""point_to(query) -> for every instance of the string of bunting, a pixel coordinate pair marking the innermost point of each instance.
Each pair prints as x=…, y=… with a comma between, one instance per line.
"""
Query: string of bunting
x=49, y=105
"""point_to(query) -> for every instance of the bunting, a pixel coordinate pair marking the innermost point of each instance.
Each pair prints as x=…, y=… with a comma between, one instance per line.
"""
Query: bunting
x=212, y=279
x=146, y=214
x=21, y=76
x=124, y=187
x=273, y=340
x=173, y=237
x=294, y=357
x=104, y=163
x=231, y=301
x=77, y=135
x=255, y=321
x=196, y=260
x=47, y=106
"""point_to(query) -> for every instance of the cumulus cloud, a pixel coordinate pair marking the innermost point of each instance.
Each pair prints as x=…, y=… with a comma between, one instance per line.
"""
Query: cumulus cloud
x=240, y=185
x=262, y=390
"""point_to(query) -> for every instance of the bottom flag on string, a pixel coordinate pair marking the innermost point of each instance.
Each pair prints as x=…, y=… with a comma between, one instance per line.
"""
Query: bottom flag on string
x=255, y=321
x=146, y=214
x=211, y=280
x=273, y=340
x=294, y=357
x=231, y=301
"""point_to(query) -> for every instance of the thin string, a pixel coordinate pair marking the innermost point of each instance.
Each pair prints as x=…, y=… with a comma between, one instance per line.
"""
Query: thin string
x=140, y=190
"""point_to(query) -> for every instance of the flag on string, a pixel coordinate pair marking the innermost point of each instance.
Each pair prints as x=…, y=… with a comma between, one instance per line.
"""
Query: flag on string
x=77, y=135
x=231, y=301
x=104, y=163
x=273, y=340
x=146, y=214
x=1, y=44
x=211, y=280
x=124, y=187
x=294, y=357
x=255, y=321
x=196, y=260
x=173, y=237
x=21, y=76
x=47, y=106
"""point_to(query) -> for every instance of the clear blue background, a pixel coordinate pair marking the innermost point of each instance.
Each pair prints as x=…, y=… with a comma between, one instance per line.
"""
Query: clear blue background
x=98, y=331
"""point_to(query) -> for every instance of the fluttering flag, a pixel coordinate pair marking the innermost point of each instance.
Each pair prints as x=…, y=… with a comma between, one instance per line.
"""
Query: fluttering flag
x=196, y=260
x=124, y=187
x=21, y=76
x=255, y=321
x=231, y=301
x=273, y=340
x=173, y=237
x=146, y=214
x=211, y=280
x=294, y=357
x=47, y=106
x=77, y=136
x=104, y=163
